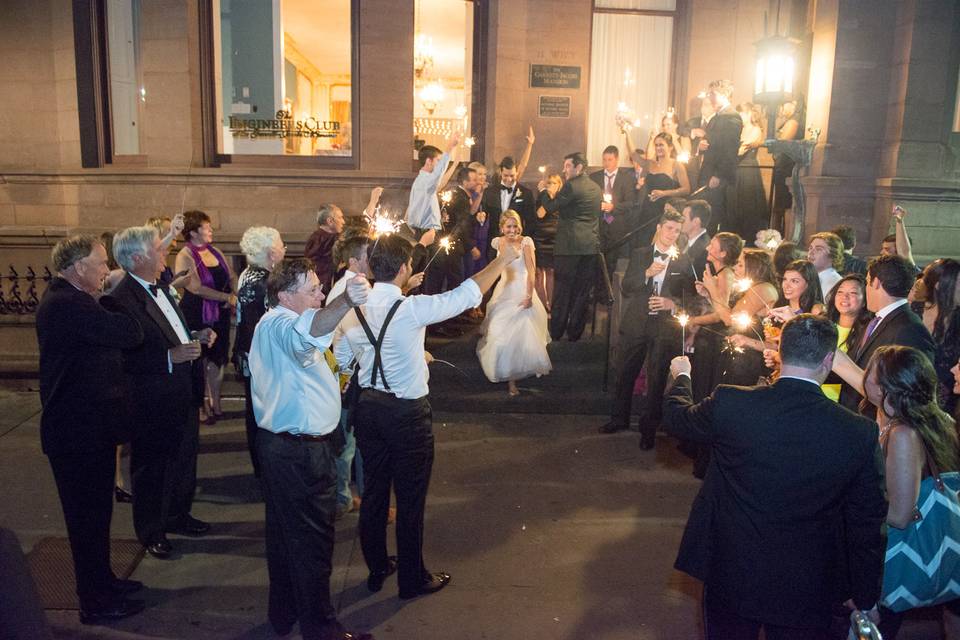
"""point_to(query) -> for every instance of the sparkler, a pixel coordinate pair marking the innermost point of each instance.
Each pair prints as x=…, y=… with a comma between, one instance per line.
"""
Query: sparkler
x=743, y=284
x=446, y=243
x=446, y=197
x=469, y=141
x=542, y=169
x=381, y=225
x=683, y=319
x=743, y=321
x=683, y=157
x=608, y=198
x=673, y=253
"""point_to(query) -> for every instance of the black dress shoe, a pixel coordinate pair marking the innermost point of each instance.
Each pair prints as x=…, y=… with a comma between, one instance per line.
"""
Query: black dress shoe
x=122, y=495
x=647, y=441
x=611, y=427
x=160, y=548
x=437, y=581
x=114, y=611
x=126, y=586
x=376, y=579
x=189, y=526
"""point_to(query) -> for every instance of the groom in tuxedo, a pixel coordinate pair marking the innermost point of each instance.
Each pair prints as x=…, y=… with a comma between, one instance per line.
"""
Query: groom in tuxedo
x=718, y=172
x=619, y=192
x=505, y=195
x=654, y=289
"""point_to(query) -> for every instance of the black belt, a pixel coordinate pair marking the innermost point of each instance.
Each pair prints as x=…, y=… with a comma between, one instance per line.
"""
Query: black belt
x=304, y=437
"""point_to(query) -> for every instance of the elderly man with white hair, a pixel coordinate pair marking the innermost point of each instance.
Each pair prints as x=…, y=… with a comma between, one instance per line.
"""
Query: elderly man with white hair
x=263, y=248
x=166, y=386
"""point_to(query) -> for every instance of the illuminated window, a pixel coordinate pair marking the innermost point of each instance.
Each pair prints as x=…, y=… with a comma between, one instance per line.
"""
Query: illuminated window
x=284, y=77
x=126, y=83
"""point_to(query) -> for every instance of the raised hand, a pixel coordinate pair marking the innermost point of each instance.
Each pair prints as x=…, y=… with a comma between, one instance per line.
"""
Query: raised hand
x=177, y=224
x=530, y=137
x=508, y=252
x=680, y=364
x=357, y=288
x=415, y=280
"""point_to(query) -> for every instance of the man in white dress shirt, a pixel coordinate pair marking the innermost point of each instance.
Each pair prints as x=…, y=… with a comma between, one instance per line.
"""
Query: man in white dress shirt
x=423, y=209
x=825, y=251
x=393, y=415
x=296, y=401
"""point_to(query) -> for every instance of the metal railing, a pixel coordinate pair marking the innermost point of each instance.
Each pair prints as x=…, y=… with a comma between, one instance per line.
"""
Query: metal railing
x=13, y=298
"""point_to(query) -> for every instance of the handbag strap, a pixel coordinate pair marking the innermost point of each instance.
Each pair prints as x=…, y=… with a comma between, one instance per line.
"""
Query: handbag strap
x=932, y=467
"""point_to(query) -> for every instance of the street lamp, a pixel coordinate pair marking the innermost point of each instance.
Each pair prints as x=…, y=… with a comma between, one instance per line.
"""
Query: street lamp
x=776, y=67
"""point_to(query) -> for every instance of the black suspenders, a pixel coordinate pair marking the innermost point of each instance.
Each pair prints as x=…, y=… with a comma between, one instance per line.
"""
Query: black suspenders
x=377, y=343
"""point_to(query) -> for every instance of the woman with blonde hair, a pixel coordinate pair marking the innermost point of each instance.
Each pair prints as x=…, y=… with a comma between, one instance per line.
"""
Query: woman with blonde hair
x=515, y=337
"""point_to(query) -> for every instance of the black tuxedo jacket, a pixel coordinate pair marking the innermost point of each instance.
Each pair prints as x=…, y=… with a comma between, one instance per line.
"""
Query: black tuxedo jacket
x=853, y=264
x=721, y=159
x=697, y=252
x=81, y=371
x=460, y=222
x=791, y=474
x=624, y=197
x=636, y=289
x=901, y=327
x=162, y=399
x=577, y=204
x=523, y=202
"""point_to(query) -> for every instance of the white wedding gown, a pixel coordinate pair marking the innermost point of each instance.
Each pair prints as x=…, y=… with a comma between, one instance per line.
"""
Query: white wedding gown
x=514, y=340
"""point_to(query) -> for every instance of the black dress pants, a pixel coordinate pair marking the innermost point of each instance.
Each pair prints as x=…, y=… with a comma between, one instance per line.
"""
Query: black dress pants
x=634, y=351
x=85, y=484
x=446, y=270
x=396, y=441
x=721, y=624
x=163, y=468
x=250, y=421
x=299, y=482
x=718, y=209
x=574, y=278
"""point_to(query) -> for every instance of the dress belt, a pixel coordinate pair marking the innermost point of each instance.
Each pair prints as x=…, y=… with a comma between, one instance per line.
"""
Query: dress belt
x=305, y=437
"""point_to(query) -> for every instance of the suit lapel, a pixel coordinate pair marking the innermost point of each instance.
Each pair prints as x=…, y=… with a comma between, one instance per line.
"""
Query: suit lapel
x=884, y=324
x=153, y=310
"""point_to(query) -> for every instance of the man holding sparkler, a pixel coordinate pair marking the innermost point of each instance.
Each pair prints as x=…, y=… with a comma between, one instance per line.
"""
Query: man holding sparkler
x=658, y=281
x=791, y=474
x=393, y=416
x=423, y=210
x=447, y=271
x=618, y=195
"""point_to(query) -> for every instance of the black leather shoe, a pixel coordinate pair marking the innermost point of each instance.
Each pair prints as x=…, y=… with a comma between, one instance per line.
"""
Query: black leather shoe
x=437, y=581
x=122, y=495
x=126, y=586
x=647, y=441
x=612, y=427
x=115, y=611
x=189, y=526
x=376, y=579
x=160, y=548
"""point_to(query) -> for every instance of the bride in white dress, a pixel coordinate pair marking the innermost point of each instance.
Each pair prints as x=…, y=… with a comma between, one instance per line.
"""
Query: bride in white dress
x=514, y=338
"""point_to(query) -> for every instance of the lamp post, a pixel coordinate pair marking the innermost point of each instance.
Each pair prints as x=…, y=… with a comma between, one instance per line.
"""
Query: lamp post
x=773, y=85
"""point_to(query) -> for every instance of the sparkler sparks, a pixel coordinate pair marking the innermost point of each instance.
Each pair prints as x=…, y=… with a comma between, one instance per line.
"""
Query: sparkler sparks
x=469, y=141
x=743, y=284
x=742, y=320
x=542, y=169
x=673, y=253
x=446, y=243
x=446, y=197
x=683, y=319
x=683, y=157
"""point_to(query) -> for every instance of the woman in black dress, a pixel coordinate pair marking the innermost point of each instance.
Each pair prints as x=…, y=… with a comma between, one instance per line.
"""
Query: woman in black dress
x=789, y=125
x=544, y=236
x=664, y=178
x=208, y=301
x=263, y=248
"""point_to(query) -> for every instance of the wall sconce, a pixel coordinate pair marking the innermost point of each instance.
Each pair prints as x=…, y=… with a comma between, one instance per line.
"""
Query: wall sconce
x=432, y=95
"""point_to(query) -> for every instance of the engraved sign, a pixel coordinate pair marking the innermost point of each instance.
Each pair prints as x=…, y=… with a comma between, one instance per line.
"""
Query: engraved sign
x=554, y=106
x=554, y=76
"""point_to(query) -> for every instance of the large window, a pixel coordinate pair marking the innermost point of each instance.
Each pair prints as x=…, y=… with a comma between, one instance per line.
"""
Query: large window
x=631, y=68
x=443, y=71
x=127, y=93
x=284, y=72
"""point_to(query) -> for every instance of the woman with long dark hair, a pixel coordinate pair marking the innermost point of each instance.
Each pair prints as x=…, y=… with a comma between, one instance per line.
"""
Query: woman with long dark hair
x=901, y=383
x=847, y=308
x=664, y=178
x=799, y=291
x=940, y=310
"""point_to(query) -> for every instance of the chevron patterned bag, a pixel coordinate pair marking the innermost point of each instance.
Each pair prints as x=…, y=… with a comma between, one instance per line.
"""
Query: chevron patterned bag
x=922, y=565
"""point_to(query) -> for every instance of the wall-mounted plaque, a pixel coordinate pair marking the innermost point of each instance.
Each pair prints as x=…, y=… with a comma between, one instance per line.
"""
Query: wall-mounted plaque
x=554, y=106
x=554, y=76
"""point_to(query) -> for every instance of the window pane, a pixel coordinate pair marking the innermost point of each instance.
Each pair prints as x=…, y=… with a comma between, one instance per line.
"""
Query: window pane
x=126, y=88
x=285, y=85
x=442, y=70
x=649, y=5
x=630, y=64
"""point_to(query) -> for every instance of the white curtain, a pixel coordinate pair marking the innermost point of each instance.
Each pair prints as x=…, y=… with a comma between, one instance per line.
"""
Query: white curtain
x=629, y=63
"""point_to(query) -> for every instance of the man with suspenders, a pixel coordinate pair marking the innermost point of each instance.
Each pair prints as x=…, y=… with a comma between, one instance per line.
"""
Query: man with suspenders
x=393, y=417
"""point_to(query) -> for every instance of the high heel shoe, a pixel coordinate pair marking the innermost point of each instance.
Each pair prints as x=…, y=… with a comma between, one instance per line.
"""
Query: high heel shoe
x=122, y=495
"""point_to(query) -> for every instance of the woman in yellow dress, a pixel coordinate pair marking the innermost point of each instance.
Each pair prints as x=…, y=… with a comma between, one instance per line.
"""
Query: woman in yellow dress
x=847, y=308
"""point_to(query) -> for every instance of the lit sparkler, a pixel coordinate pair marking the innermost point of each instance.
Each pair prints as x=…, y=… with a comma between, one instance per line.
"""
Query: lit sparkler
x=446, y=197
x=743, y=321
x=683, y=319
x=446, y=243
x=743, y=284
x=608, y=198
x=673, y=253
x=469, y=141
x=683, y=157
x=542, y=169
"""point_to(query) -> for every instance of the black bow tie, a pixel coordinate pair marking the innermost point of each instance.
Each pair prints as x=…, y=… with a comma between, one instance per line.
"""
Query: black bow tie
x=660, y=254
x=154, y=289
x=506, y=188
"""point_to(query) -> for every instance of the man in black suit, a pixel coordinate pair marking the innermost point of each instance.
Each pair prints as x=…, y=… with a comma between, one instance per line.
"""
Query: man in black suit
x=507, y=194
x=696, y=214
x=655, y=286
x=576, y=247
x=718, y=171
x=85, y=415
x=446, y=272
x=791, y=473
x=889, y=280
x=851, y=263
x=619, y=194
x=167, y=389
